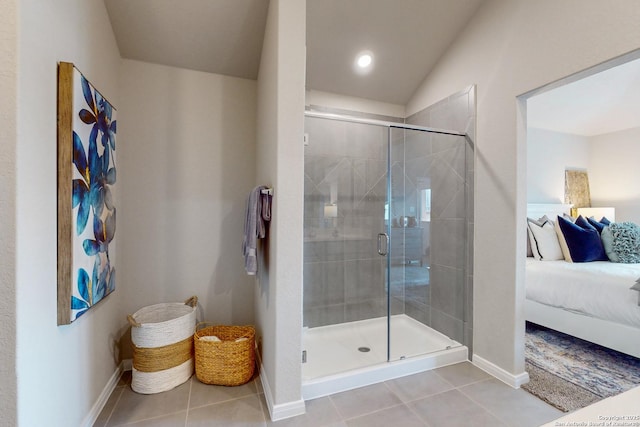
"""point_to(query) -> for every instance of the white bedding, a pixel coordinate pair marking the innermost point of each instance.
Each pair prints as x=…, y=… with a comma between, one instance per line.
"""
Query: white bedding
x=599, y=289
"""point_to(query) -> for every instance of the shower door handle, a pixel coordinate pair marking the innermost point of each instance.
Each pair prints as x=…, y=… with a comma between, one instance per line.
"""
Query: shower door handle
x=383, y=249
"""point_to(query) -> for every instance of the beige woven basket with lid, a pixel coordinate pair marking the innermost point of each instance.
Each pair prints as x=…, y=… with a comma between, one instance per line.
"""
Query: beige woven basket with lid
x=229, y=361
x=162, y=345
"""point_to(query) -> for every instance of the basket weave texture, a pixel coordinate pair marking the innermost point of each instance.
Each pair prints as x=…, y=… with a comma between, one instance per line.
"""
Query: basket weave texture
x=226, y=362
x=162, y=346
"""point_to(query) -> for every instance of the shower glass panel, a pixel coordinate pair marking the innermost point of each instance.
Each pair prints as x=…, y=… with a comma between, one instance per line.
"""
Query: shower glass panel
x=379, y=201
x=426, y=261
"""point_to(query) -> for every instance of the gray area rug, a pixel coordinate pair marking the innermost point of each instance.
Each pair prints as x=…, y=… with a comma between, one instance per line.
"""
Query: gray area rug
x=570, y=373
x=556, y=391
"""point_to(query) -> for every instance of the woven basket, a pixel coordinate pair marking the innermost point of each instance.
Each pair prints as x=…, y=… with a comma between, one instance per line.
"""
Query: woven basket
x=162, y=346
x=226, y=362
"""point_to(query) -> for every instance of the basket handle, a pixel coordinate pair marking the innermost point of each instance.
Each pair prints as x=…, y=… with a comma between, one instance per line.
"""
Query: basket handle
x=191, y=302
x=201, y=325
x=132, y=321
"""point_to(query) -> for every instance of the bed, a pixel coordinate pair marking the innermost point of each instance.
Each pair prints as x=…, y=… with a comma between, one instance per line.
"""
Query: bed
x=590, y=300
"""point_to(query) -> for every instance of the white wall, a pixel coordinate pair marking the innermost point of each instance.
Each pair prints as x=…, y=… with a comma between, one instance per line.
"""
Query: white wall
x=549, y=154
x=509, y=48
x=333, y=100
x=610, y=160
x=61, y=370
x=8, y=140
x=614, y=173
x=187, y=158
x=280, y=163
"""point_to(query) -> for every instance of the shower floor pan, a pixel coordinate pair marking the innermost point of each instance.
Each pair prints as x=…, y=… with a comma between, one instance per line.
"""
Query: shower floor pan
x=351, y=355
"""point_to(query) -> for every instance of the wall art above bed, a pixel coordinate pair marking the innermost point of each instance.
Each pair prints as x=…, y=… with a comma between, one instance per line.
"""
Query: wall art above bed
x=576, y=189
x=86, y=190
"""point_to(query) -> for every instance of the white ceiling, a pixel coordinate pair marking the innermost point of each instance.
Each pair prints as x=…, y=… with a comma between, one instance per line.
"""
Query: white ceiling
x=216, y=36
x=407, y=37
x=605, y=102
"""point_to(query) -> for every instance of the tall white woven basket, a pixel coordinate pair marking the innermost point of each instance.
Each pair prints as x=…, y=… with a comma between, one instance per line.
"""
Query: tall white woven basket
x=162, y=336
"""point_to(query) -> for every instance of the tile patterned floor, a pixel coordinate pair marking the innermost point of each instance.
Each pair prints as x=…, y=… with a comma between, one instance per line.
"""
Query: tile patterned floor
x=457, y=395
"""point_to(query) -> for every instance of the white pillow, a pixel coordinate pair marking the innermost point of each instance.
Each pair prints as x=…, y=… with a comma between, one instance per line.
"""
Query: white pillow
x=540, y=222
x=544, y=241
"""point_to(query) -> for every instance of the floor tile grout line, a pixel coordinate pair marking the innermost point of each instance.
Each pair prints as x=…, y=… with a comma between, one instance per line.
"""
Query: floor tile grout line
x=443, y=378
x=505, y=422
x=385, y=383
x=425, y=422
x=263, y=409
x=226, y=400
x=106, y=423
x=407, y=404
x=231, y=399
x=336, y=408
x=186, y=416
x=155, y=417
x=374, y=412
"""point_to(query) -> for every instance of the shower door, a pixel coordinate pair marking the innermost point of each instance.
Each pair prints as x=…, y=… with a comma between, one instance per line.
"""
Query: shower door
x=345, y=200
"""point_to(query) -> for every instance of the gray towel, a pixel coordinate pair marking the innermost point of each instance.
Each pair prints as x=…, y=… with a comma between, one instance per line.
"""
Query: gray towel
x=258, y=212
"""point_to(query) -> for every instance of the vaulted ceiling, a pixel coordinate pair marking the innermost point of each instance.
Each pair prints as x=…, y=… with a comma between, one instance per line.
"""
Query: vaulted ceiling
x=406, y=37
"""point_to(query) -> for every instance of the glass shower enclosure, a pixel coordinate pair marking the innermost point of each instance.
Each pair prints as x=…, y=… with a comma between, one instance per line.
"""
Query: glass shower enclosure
x=384, y=243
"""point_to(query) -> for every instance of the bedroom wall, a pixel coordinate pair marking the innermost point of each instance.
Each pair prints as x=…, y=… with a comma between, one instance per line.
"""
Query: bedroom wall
x=549, y=154
x=187, y=158
x=511, y=47
x=61, y=371
x=614, y=173
x=8, y=145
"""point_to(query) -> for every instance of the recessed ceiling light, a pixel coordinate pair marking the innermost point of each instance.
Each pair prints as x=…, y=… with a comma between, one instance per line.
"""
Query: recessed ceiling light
x=364, y=62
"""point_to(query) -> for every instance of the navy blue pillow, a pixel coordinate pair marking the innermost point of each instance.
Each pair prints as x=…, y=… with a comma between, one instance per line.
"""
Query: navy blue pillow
x=599, y=225
x=583, y=223
x=582, y=243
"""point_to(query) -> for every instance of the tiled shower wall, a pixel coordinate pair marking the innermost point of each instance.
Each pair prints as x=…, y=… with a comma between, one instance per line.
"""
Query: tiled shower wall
x=451, y=302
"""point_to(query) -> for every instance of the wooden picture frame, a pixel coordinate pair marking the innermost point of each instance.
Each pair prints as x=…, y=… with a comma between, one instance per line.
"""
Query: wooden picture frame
x=86, y=187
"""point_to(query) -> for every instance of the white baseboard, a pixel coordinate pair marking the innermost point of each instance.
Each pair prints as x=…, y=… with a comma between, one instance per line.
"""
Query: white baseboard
x=514, y=381
x=100, y=403
x=283, y=410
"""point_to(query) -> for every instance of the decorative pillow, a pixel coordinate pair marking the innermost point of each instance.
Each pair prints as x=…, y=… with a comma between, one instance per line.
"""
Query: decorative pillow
x=621, y=241
x=544, y=241
x=540, y=222
x=579, y=244
x=583, y=223
x=599, y=225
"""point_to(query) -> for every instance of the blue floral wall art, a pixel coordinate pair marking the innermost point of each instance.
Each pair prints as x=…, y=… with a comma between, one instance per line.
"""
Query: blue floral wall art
x=86, y=194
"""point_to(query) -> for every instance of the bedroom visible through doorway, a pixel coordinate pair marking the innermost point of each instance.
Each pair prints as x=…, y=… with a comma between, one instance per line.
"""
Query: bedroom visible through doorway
x=585, y=122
